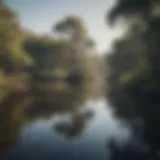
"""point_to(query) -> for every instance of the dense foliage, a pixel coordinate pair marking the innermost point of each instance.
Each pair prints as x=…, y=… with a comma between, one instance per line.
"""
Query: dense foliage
x=57, y=59
x=134, y=79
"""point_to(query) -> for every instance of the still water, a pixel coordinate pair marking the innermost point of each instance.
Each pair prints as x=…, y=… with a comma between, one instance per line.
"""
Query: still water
x=67, y=123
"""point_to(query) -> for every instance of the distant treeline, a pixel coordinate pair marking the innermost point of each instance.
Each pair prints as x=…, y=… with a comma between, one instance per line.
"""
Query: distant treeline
x=69, y=55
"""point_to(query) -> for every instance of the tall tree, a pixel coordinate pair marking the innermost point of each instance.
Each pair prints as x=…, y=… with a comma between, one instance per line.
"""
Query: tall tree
x=75, y=30
x=143, y=9
x=12, y=55
x=135, y=93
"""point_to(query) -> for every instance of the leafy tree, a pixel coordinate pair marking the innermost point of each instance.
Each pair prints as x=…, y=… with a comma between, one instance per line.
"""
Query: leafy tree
x=133, y=8
x=73, y=27
x=13, y=82
x=61, y=58
x=134, y=74
x=12, y=56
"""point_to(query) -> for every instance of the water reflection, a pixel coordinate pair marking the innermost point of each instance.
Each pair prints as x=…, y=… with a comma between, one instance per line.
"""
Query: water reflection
x=43, y=101
x=59, y=98
x=40, y=139
x=12, y=117
x=57, y=122
x=77, y=124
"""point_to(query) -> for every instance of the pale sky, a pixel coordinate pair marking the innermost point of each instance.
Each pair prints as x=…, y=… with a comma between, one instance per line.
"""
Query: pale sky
x=40, y=15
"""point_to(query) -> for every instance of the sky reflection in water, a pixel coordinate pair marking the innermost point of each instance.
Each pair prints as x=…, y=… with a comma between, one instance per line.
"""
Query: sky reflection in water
x=40, y=141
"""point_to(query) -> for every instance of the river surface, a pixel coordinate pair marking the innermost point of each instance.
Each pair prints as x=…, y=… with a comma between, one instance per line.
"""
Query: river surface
x=53, y=137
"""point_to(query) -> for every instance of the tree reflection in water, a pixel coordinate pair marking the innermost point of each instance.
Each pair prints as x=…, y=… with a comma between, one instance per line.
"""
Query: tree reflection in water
x=46, y=100
x=77, y=124
x=12, y=117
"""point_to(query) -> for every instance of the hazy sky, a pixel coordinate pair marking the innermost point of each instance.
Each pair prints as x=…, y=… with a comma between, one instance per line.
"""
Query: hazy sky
x=40, y=15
